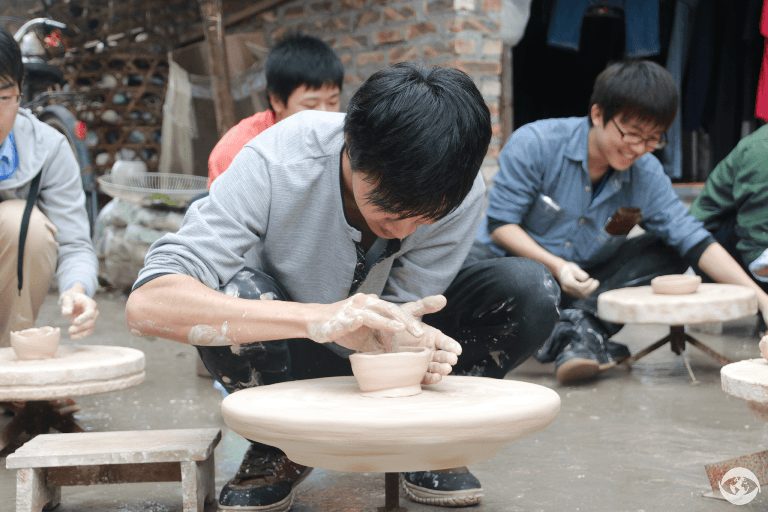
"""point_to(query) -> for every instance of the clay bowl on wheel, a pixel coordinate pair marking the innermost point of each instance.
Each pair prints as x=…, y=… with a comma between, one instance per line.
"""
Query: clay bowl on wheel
x=675, y=284
x=36, y=343
x=391, y=374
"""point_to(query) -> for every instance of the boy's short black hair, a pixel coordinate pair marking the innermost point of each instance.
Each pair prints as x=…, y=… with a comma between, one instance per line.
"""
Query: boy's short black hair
x=298, y=60
x=638, y=89
x=11, y=67
x=419, y=135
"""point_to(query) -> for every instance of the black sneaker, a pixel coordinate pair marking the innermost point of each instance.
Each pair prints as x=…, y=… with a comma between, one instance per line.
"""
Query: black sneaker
x=575, y=325
x=265, y=482
x=455, y=487
x=563, y=333
x=584, y=358
x=618, y=351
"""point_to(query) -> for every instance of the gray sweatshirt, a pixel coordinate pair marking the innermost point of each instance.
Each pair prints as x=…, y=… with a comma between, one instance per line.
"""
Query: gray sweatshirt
x=282, y=197
x=43, y=149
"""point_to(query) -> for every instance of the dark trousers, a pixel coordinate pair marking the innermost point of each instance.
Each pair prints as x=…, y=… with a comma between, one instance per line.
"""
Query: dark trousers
x=501, y=310
x=637, y=261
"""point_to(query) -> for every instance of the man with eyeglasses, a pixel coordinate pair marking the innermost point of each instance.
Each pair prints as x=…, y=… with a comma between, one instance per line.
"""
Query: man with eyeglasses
x=569, y=191
x=43, y=223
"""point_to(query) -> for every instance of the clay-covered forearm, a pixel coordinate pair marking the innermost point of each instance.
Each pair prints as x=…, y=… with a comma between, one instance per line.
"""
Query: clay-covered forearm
x=180, y=308
x=513, y=239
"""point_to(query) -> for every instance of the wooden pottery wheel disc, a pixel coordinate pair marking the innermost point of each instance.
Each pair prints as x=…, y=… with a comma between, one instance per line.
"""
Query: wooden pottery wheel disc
x=327, y=422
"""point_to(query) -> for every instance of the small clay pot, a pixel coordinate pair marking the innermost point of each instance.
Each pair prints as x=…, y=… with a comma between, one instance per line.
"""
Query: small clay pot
x=36, y=343
x=675, y=284
x=391, y=374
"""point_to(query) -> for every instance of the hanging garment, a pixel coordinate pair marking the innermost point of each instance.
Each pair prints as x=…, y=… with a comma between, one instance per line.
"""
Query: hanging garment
x=676, y=60
x=761, y=101
x=641, y=18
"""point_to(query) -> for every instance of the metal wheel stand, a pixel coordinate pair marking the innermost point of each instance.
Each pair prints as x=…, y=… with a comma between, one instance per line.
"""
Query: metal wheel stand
x=392, y=494
x=36, y=417
x=677, y=339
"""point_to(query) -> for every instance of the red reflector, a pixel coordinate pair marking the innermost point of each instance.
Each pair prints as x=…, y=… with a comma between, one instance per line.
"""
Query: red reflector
x=80, y=130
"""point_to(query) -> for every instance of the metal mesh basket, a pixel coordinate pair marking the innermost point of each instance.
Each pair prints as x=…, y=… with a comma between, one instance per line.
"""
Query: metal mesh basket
x=154, y=188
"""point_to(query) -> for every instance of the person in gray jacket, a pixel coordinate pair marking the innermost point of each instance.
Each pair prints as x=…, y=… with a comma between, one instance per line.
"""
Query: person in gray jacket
x=361, y=224
x=43, y=222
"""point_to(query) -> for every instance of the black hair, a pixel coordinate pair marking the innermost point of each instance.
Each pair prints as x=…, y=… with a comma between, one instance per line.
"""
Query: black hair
x=638, y=89
x=10, y=59
x=298, y=60
x=419, y=135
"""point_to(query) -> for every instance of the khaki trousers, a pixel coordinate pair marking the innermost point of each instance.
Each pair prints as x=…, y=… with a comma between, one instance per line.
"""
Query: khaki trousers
x=19, y=310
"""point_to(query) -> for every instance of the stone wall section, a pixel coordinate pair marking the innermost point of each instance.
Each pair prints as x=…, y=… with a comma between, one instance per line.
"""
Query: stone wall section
x=371, y=34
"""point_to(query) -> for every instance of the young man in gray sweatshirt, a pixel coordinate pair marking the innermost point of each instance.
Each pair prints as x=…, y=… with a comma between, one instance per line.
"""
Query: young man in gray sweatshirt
x=361, y=224
x=43, y=222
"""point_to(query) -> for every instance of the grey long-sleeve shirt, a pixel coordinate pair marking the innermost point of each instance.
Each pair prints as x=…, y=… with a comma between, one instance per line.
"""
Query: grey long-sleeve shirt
x=282, y=196
x=61, y=198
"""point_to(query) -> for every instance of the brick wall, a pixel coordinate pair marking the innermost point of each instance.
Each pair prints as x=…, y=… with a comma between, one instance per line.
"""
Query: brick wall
x=371, y=34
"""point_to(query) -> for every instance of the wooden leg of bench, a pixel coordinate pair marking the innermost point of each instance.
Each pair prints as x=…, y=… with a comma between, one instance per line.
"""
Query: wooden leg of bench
x=32, y=491
x=197, y=484
x=208, y=479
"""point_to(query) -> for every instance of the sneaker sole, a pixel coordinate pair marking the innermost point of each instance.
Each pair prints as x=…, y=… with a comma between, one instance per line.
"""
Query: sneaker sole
x=580, y=369
x=283, y=505
x=462, y=498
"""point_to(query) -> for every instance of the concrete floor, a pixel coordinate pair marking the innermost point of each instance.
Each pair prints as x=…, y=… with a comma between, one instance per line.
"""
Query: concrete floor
x=632, y=441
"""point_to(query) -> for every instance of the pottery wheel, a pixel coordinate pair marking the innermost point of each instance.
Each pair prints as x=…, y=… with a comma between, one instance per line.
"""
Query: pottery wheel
x=746, y=379
x=327, y=423
x=75, y=370
x=710, y=303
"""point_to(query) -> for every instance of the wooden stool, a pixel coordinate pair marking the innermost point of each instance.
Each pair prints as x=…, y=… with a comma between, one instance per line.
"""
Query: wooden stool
x=49, y=461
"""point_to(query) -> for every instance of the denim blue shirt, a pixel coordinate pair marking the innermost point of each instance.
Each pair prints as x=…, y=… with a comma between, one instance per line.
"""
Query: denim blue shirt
x=9, y=158
x=545, y=162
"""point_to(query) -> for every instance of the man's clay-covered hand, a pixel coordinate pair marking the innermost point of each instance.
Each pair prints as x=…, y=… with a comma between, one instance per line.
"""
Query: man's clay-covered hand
x=576, y=282
x=445, y=355
x=364, y=323
x=81, y=310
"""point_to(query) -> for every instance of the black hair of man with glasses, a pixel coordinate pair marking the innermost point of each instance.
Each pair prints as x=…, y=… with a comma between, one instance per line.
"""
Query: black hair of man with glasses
x=570, y=190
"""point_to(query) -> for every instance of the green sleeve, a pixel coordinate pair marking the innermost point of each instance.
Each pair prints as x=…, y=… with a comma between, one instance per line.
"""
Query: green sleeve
x=738, y=187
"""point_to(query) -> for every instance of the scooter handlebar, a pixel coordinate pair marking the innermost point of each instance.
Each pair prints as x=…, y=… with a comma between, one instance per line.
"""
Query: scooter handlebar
x=46, y=22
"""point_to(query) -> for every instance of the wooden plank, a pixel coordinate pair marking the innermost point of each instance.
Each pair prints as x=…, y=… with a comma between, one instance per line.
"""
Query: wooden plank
x=32, y=491
x=252, y=10
x=223, y=103
x=114, y=474
x=506, y=112
x=128, y=447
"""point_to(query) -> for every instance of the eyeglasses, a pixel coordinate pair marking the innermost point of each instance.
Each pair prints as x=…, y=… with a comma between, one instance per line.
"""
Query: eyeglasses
x=632, y=138
x=9, y=100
